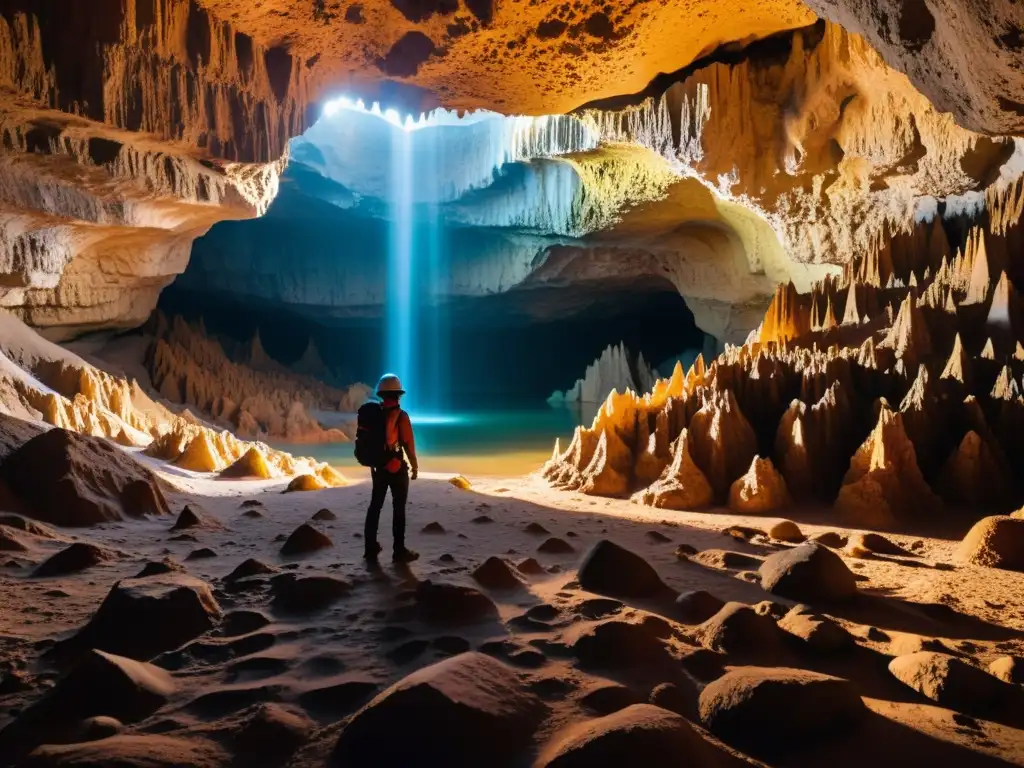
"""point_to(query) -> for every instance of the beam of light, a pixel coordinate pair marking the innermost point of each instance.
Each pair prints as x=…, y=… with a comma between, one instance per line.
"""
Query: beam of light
x=400, y=309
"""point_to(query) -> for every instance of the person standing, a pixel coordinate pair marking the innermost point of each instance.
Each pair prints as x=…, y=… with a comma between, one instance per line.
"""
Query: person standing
x=391, y=471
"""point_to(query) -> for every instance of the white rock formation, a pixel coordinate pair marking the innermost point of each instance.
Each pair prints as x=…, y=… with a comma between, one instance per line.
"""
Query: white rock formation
x=612, y=370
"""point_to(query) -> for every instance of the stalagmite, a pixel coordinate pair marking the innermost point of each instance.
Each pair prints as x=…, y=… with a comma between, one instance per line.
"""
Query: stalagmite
x=761, y=490
x=884, y=483
x=682, y=486
x=723, y=441
x=958, y=366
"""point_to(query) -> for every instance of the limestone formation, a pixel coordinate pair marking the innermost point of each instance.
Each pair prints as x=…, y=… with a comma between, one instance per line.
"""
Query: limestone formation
x=682, y=485
x=258, y=399
x=761, y=490
x=950, y=681
x=616, y=370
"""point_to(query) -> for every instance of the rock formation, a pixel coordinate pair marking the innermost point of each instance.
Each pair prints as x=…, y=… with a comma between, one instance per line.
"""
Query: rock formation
x=815, y=398
x=258, y=399
x=615, y=370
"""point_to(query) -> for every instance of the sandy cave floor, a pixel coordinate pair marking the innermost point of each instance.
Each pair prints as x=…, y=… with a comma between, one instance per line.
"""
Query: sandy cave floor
x=370, y=640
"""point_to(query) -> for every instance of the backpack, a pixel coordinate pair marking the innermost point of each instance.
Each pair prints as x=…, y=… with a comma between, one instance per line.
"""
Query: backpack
x=371, y=436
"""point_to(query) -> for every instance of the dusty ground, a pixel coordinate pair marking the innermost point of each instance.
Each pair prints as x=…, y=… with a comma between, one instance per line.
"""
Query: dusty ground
x=369, y=639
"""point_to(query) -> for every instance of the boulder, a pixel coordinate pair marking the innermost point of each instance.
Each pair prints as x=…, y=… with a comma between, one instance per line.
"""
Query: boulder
x=875, y=543
x=810, y=573
x=616, y=644
x=12, y=541
x=304, y=540
x=306, y=594
x=697, y=606
x=203, y=553
x=269, y=734
x=609, y=569
x=158, y=567
x=69, y=479
x=453, y=604
x=26, y=525
x=304, y=483
x=530, y=567
x=555, y=546
x=996, y=542
x=193, y=518
x=775, y=709
x=1009, y=669
x=821, y=633
x=466, y=711
x=73, y=559
x=99, y=684
x=606, y=697
x=679, y=697
x=830, y=539
x=738, y=628
x=252, y=464
x=324, y=515
x=461, y=483
x=950, y=682
x=250, y=567
x=788, y=531
x=141, y=618
x=639, y=735
x=496, y=574
x=760, y=491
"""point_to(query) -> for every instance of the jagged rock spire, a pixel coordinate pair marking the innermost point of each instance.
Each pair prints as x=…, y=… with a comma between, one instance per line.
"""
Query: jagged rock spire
x=958, y=366
x=909, y=337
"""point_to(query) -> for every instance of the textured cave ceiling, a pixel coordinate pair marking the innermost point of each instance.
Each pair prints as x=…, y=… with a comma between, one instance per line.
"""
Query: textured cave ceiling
x=130, y=127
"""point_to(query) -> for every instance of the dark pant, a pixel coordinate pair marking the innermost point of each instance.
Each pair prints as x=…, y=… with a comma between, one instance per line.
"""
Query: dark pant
x=398, y=483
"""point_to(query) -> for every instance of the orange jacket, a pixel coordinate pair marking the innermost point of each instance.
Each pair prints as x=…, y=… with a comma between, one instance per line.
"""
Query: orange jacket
x=398, y=433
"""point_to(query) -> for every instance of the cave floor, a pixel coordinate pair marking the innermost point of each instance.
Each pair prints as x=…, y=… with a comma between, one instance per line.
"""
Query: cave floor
x=369, y=637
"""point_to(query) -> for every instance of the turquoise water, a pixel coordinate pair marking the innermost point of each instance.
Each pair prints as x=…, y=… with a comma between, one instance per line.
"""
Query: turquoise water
x=495, y=443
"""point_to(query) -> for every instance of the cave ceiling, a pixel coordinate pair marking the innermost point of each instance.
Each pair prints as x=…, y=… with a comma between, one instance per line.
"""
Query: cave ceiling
x=130, y=127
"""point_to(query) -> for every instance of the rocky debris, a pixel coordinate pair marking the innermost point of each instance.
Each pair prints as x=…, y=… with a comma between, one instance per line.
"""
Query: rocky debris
x=775, y=709
x=810, y=572
x=874, y=543
x=738, y=628
x=304, y=540
x=684, y=551
x=242, y=623
x=697, y=606
x=641, y=734
x=269, y=733
x=614, y=644
x=682, y=485
x=609, y=569
x=443, y=603
x=820, y=633
x=75, y=558
x=556, y=546
x=743, y=532
x=304, y=482
x=1009, y=669
x=203, y=553
x=324, y=515
x=467, y=710
x=141, y=618
x=87, y=480
x=250, y=567
x=251, y=464
x=158, y=567
x=461, y=483
x=482, y=519
x=906, y=644
x=306, y=594
x=950, y=682
x=605, y=698
x=193, y=518
x=658, y=537
x=496, y=574
x=996, y=542
x=253, y=513
x=760, y=491
x=434, y=527
x=537, y=529
x=788, y=531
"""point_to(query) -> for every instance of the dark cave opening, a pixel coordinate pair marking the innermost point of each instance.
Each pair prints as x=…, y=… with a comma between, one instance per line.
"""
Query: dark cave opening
x=491, y=359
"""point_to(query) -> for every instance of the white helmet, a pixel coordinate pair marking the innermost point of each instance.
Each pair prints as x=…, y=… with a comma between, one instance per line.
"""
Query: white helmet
x=390, y=384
